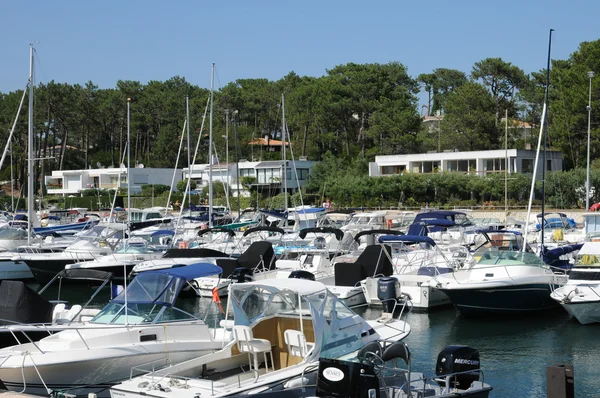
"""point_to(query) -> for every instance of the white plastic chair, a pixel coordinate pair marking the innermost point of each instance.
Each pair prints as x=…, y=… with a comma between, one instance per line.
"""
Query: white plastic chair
x=247, y=343
x=296, y=343
x=57, y=312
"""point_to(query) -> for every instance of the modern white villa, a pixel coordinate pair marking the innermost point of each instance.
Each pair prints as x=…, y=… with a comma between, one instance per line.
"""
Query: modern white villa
x=267, y=175
x=471, y=162
x=69, y=182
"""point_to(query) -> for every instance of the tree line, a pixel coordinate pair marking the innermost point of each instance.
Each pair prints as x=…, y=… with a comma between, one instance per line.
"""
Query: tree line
x=354, y=111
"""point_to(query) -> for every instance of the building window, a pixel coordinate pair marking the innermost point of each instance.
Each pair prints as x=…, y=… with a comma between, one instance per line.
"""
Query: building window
x=527, y=166
x=388, y=170
x=549, y=165
x=302, y=174
x=247, y=173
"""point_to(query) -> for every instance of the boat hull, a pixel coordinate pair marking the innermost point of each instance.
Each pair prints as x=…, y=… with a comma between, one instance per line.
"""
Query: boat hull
x=15, y=270
x=585, y=312
x=505, y=300
x=44, y=270
x=89, y=376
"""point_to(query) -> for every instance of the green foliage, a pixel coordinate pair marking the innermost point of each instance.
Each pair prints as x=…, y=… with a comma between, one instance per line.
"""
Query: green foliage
x=155, y=189
x=95, y=192
x=219, y=190
x=353, y=110
x=469, y=122
x=181, y=185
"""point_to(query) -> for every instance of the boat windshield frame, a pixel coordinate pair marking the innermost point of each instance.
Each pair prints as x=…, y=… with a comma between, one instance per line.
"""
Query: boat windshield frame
x=252, y=303
x=149, y=298
x=495, y=255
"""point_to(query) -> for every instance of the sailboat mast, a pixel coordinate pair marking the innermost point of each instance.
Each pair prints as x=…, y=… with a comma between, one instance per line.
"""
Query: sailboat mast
x=545, y=133
x=210, y=139
x=284, y=175
x=30, y=155
x=128, y=164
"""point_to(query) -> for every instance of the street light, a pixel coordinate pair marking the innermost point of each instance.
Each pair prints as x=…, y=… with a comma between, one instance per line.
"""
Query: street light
x=587, y=181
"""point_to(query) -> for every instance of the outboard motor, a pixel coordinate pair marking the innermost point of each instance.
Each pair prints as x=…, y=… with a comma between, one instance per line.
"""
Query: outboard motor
x=241, y=275
x=337, y=378
x=458, y=358
x=302, y=274
x=387, y=292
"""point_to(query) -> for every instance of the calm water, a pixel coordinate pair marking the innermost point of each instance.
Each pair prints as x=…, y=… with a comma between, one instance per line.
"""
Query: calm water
x=514, y=352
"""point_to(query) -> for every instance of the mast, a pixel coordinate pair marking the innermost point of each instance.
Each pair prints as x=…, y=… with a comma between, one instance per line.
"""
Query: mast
x=237, y=163
x=537, y=156
x=228, y=185
x=30, y=155
x=187, y=118
x=545, y=133
x=284, y=176
x=128, y=165
x=210, y=139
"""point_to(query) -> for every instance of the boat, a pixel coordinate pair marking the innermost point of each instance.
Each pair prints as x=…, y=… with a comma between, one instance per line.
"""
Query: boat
x=383, y=369
x=373, y=260
x=507, y=278
x=416, y=260
x=281, y=328
x=140, y=327
x=27, y=316
x=122, y=261
x=365, y=221
x=580, y=296
x=100, y=240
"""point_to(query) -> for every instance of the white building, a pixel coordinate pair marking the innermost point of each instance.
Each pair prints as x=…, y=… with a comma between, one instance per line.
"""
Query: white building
x=267, y=175
x=472, y=162
x=67, y=182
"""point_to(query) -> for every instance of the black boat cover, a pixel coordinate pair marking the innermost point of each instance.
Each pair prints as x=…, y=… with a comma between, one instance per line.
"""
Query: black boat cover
x=19, y=303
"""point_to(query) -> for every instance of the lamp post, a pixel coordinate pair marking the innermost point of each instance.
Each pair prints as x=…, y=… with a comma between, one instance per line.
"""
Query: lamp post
x=587, y=180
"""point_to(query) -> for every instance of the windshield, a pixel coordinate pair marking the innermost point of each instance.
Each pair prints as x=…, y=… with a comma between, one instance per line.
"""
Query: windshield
x=101, y=232
x=13, y=233
x=114, y=313
x=149, y=287
x=508, y=257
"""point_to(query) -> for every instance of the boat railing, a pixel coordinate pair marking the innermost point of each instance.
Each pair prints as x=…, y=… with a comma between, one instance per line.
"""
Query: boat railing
x=78, y=329
x=141, y=367
x=309, y=368
x=420, y=386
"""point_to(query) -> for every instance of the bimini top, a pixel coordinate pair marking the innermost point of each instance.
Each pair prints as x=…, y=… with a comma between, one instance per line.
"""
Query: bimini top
x=311, y=210
x=263, y=228
x=590, y=248
x=407, y=239
x=439, y=222
x=339, y=234
x=191, y=271
x=300, y=286
x=498, y=231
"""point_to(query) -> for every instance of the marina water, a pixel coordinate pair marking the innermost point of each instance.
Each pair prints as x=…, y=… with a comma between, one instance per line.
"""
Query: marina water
x=514, y=351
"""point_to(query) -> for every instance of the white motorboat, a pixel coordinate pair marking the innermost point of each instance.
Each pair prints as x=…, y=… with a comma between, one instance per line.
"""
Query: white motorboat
x=27, y=316
x=507, y=279
x=140, y=327
x=365, y=221
x=281, y=327
x=416, y=260
x=121, y=262
x=308, y=258
x=373, y=261
x=98, y=241
x=580, y=296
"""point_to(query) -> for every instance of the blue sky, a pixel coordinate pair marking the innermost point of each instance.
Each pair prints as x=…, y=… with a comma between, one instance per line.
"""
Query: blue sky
x=107, y=40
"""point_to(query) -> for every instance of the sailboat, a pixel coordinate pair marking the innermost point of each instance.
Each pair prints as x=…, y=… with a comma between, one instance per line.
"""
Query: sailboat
x=11, y=237
x=508, y=277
